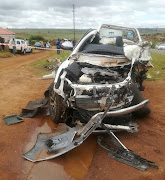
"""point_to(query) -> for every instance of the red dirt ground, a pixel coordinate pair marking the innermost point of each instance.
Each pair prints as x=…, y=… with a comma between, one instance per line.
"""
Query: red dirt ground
x=19, y=84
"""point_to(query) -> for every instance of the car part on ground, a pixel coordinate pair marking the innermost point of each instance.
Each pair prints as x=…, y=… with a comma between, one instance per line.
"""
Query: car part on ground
x=12, y=119
x=126, y=156
x=33, y=106
x=30, y=110
x=70, y=138
x=51, y=67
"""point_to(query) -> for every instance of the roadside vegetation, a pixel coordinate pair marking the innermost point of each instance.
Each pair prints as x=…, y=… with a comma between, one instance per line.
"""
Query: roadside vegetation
x=6, y=53
x=35, y=38
x=48, y=34
x=158, y=72
x=40, y=66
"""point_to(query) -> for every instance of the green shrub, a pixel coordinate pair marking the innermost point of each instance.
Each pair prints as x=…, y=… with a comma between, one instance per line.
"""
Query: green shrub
x=36, y=38
x=32, y=42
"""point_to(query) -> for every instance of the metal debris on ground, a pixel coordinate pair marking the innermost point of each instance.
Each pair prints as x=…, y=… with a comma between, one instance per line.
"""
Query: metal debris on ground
x=130, y=158
x=124, y=155
x=50, y=145
x=60, y=144
x=49, y=76
x=29, y=111
x=51, y=67
x=12, y=119
x=54, y=60
x=33, y=106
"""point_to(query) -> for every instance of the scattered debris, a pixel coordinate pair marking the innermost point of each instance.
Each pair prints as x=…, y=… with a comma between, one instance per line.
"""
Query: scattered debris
x=73, y=137
x=54, y=60
x=51, y=67
x=126, y=156
x=29, y=111
x=55, y=144
x=49, y=76
x=130, y=158
x=33, y=106
x=12, y=119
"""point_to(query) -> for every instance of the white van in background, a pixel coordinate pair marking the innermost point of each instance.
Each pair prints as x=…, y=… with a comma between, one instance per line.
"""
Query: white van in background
x=21, y=46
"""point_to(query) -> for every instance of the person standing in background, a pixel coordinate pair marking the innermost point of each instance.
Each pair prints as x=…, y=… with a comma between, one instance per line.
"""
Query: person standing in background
x=14, y=46
x=58, y=44
x=2, y=40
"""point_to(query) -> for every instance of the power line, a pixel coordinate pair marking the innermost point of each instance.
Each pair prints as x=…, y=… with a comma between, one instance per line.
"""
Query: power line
x=74, y=21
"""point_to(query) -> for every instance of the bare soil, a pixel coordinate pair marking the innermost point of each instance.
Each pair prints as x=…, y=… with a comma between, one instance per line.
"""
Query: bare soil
x=19, y=84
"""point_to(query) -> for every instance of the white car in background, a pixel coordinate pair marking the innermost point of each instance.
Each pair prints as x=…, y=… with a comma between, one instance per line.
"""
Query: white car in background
x=22, y=46
x=161, y=46
x=67, y=45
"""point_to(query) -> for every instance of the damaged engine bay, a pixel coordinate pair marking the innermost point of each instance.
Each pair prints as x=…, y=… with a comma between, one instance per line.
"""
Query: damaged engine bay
x=97, y=89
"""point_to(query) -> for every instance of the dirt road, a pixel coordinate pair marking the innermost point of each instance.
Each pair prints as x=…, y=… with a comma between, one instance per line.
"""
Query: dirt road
x=19, y=84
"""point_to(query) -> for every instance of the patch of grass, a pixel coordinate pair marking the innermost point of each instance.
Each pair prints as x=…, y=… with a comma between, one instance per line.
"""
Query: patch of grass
x=6, y=53
x=39, y=65
x=158, y=61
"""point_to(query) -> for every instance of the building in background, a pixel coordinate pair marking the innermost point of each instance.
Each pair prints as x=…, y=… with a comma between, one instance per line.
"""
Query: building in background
x=6, y=34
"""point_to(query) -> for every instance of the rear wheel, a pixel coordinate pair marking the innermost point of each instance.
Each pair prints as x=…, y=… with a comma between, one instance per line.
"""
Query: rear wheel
x=138, y=98
x=56, y=107
x=24, y=51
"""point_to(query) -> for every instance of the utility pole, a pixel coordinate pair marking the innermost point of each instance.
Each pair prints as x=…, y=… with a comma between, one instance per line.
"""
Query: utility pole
x=74, y=21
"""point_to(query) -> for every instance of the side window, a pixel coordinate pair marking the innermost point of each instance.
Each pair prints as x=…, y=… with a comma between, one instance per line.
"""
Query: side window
x=18, y=42
x=22, y=42
x=27, y=43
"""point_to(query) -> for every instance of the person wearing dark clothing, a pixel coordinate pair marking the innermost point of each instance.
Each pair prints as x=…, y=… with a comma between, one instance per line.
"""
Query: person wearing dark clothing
x=58, y=44
x=44, y=44
x=2, y=40
x=14, y=46
x=74, y=43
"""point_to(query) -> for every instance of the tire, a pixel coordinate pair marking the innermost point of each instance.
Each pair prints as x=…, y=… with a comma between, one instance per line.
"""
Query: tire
x=56, y=107
x=24, y=51
x=138, y=98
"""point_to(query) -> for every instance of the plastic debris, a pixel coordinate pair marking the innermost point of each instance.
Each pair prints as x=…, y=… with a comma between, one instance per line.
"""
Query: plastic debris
x=12, y=119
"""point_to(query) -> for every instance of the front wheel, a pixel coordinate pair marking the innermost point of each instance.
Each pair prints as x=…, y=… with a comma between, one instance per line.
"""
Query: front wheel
x=56, y=107
x=138, y=98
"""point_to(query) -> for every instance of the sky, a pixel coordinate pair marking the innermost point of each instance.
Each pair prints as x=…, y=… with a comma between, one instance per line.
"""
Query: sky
x=88, y=13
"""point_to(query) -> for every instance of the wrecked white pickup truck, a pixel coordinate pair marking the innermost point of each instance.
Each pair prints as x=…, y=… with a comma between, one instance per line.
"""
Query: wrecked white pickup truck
x=97, y=89
x=104, y=68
